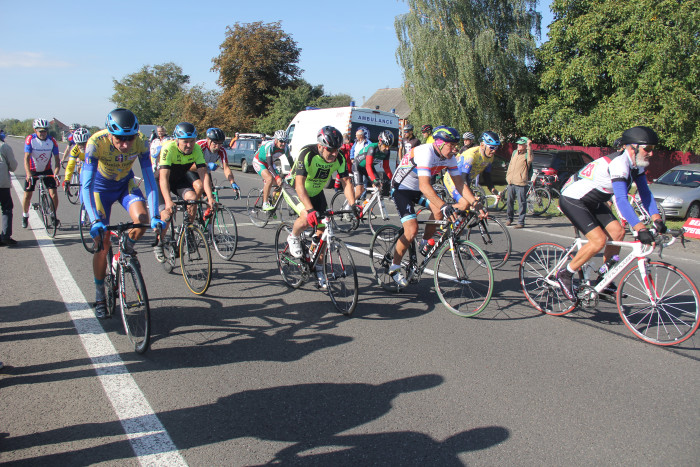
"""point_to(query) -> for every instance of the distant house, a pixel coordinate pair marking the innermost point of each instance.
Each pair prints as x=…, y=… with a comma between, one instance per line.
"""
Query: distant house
x=62, y=127
x=388, y=99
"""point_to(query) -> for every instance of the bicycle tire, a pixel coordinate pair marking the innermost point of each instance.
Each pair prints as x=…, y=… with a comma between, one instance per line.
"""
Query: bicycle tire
x=195, y=259
x=254, y=203
x=381, y=254
x=379, y=215
x=538, y=201
x=537, y=263
x=673, y=319
x=493, y=237
x=48, y=212
x=343, y=222
x=111, y=285
x=463, y=278
x=291, y=268
x=341, y=277
x=73, y=191
x=84, y=225
x=224, y=232
x=135, y=309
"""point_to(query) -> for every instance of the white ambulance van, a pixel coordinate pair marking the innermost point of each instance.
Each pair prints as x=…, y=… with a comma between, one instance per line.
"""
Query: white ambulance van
x=305, y=125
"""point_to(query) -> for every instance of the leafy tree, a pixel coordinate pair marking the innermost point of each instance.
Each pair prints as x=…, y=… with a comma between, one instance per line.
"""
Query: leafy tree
x=465, y=62
x=611, y=65
x=255, y=60
x=150, y=91
x=333, y=100
x=285, y=104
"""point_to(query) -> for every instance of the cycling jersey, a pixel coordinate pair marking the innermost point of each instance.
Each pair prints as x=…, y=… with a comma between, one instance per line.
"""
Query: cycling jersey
x=422, y=161
x=179, y=164
x=317, y=171
x=75, y=155
x=219, y=157
x=368, y=156
x=40, y=152
x=266, y=155
x=474, y=162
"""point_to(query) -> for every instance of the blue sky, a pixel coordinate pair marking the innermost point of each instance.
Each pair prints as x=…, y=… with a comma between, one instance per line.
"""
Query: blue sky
x=60, y=62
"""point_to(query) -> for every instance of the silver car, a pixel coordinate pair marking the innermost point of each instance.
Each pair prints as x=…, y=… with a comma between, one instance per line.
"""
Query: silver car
x=678, y=191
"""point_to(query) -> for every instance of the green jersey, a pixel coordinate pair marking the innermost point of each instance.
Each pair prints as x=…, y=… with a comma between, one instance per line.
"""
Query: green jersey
x=317, y=171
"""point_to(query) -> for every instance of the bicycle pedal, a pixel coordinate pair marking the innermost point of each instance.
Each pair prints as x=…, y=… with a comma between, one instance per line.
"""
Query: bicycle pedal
x=35, y=206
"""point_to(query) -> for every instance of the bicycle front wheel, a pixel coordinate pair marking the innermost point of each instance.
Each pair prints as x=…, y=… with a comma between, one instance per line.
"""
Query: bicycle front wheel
x=379, y=215
x=343, y=222
x=291, y=268
x=195, y=259
x=538, y=270
x=224, y=233
x=136, y=312
x=671, y=317
x=72, y=193
x=254, y=203
x=381, y=255
x=84, y=225
x=463, y=278
x=538, y=201
x=492, y=236
x=341, y=277
x=48, y=214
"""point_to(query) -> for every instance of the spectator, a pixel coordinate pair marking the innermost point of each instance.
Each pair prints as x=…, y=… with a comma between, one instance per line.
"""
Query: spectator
x=156, y=144
x=8, y=164
x=516, y=178
x=233, y=140
x=361, y=140
x=408, y=142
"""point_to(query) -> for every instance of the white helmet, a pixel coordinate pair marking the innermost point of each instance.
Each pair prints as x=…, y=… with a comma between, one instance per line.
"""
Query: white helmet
x=41, y=123
x=81, y=135
x=281, y=135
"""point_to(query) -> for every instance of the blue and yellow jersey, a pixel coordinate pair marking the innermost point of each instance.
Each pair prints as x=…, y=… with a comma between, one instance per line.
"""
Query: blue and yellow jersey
x=75, y=155
x=473, y=162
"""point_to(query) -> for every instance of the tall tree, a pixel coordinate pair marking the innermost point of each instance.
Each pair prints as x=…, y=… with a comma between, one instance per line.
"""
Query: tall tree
x=255, y=59
x=610, y=65
x=149, y=91
x=466, y=62
x=285, y=104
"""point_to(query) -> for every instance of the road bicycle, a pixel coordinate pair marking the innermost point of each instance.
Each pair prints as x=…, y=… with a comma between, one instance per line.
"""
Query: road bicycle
x=254, y=203
x=187, y=242
x=463, y=274
x=538, y=199
x=125, y=282
x=339, y=270
x=219, y=226
x=375, y=210
x=642, y=214
x=73, y=185
x=45, y=205
x=657, y=301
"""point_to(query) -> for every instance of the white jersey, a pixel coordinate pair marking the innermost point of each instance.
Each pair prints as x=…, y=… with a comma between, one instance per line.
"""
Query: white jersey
x=594, y=182
x=423, y=160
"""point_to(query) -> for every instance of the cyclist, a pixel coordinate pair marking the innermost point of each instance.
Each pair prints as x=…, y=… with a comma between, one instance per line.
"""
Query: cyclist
x=312, y=171
x=474, y=162
x=412, y=184
x=71, y=142
x=363, y=165
x=468, y=139
x=215, y=155
x=77, y=153
x=585, y=195
x=427, y=132
x=264, y=163
x=176, y=159
x=408, y=142
x=107, y=177
x=39, y=148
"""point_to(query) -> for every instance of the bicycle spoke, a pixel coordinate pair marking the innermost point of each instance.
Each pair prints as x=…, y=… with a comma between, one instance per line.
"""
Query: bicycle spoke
x=341, y=277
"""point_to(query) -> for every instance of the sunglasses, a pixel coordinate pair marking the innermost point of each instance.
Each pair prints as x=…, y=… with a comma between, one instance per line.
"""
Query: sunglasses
x=41, y=130
x=493, y=148
x=125, y=138
x=648, y=148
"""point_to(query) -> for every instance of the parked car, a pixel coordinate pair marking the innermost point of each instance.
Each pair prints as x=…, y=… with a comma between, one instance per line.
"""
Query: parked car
x=243, y=150
x=566, y=163
x=678, y=191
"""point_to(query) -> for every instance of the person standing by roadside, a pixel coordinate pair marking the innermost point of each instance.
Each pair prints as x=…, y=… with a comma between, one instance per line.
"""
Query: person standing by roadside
x=156, y=144
x=233, y=140
x=408, y=142
x=8, y=164
x=516, y=178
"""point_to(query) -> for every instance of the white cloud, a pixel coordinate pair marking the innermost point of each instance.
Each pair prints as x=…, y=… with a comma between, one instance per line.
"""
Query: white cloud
x=29, y=60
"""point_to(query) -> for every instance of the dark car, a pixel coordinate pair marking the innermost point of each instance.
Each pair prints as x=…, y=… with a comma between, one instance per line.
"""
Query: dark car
x=243, y=150
x=566, y=163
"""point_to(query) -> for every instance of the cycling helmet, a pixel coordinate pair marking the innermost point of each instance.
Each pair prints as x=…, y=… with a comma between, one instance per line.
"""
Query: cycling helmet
x=184, y=130
x=640, y=135
x=386, y=137
x=329, y=137
x=426, y=129
x=122, y=122
x=74, y=126
x=490, y=138
x=408, y=127
x=81, y=135
x=40, y=123
x=468, y=135
x=216, y=135
x=446, y=134
x=549, y=171
x=281, y=135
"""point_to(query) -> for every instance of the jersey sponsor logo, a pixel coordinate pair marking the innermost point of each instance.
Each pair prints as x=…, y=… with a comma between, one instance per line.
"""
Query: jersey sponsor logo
x=323, y=173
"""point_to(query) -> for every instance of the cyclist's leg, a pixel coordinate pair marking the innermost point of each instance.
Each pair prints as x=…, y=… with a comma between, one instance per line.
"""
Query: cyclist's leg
x=615, y=232
x=135, y=204
x=359, y=175
x=189, y=192
x=103, y=206
x=267, y=177
x=29, y=186
x=404, y=201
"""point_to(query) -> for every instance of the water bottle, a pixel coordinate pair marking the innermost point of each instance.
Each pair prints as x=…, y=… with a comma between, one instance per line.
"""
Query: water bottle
x=314, y=244
x=608, y=264
x=427, y=246
x=115, y=260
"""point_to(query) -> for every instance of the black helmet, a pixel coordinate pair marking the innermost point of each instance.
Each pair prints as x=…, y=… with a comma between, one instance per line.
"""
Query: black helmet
x=329, y=137
x=122, y=122
x=216, y=135
x=640, y=135
x=386, y=137
x=408, y=127
x=426, y=129
x=185, y=130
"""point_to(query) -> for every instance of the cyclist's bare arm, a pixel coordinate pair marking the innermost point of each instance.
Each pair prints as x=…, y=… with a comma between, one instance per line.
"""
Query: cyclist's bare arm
x=348, y=190
x=428, y=191
x=206, y=180
x=164, y=182
x=301, y=192
x=227, y=172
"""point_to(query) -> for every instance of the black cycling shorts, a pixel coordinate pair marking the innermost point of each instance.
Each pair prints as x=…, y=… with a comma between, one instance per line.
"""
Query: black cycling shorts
x=49, y=181
x=405, y=201
x=586, y=216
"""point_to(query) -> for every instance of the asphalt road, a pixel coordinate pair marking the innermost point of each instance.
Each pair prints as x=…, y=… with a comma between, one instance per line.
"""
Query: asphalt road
x=255, y=373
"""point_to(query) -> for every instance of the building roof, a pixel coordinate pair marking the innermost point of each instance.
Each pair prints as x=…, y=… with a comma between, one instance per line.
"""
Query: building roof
x=387, y=99
x=61, y=126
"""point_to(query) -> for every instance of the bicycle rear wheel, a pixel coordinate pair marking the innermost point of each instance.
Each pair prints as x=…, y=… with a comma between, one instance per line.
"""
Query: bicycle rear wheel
x=84, y=225
x=291, y=268
x=381, y=255
x=195, y=259
x=536, y=268
x=136, y=312
x=341, y=277
x=224, y=233
x=380, y=215
x=343, y=222
x=72, y=193
x=492, y=237
x=463, y=278
x=538, y=201
x=673, y=317
x=254, y=203
x=48, y=214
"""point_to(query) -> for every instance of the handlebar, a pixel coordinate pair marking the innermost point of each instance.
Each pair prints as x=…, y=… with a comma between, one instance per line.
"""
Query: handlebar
x=121, y=227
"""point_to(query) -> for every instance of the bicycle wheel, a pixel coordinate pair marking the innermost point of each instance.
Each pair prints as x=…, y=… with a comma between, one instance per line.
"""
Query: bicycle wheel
x=48, y=214
x=72, y=193
x=111, y=285
x=343, y=222
x=254, y=203
x=380, y=215
x=537, y=269
x=341, y=277
x=291, y=268
x=136, y=312
x=673, y=317
x=381, y=254
x=84, y=225
x=538, y=201
x=463, y=278
x=195, y=259
x=492, y=236
x=224, y=233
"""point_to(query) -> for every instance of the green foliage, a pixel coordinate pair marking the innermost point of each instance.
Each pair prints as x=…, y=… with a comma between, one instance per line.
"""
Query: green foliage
x=465, y=62
x=611, y=65
x=15, y=127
